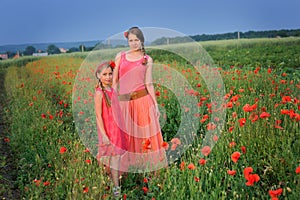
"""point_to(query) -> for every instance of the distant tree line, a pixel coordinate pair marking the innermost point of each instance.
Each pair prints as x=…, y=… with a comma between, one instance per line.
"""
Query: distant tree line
x=226, y=36
x=52, y=49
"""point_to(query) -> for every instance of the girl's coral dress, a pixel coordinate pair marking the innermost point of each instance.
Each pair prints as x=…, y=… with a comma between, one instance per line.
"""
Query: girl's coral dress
x=112, y=124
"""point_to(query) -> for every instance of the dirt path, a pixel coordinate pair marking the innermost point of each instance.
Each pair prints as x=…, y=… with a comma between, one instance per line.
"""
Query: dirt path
x=8, y=169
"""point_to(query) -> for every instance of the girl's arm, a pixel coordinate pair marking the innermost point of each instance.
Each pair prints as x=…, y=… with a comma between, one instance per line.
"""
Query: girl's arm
x=149, y=83
x=99, y=120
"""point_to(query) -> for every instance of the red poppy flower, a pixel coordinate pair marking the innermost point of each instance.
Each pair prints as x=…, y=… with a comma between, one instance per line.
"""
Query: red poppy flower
x=251, y=178
x=202, y=161
x=126, y=34
x=112, y=64
x=297, y=170
x=145, y=180
x=165, y=145
x=242, y=121
x=88, y=161
x=275, y=193
x=196, y=179
x=231, y=172
x=85, y=189
x=147, y=144
x=286, y=99
x=182, y=165
x=62, y=150
x=46, y=183
x=176, y=141
x=232, y=144
x=205, y=150
x=191, y=166
x=264, y=115
x=243, y=148
x=235, y=156
x=145, y=190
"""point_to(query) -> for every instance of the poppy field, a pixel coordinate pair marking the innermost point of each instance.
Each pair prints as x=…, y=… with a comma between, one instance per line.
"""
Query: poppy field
x=255, y=156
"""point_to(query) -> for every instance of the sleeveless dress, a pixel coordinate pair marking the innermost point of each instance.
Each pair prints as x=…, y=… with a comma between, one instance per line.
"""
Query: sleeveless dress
x=145, y=151
x=112, y=124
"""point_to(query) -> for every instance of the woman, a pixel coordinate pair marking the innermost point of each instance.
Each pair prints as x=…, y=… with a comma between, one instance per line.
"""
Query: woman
x=133, y=79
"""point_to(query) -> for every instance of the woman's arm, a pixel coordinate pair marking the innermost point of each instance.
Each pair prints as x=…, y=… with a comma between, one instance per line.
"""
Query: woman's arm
x=116, y=72
x=99, y=120
x=149, y=82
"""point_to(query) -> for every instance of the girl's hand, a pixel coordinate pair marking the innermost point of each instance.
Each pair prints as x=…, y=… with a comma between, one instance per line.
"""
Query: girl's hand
x=105, y=140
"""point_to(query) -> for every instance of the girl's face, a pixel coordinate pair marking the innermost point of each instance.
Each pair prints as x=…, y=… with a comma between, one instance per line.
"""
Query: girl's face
x=105, y=76
x=134, y=42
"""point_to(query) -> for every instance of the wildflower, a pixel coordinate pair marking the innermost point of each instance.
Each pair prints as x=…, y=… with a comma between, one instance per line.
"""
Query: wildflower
x=211, y=126
x=231, y=172
x=243, y=148
x=286, y=99
x=145, y=180
x=147, y=144
x=196, y=179
x=205, y=150
x=88, y=161
x=275, y=193
x=37, y=182
x=145, y=189
x=62, y=150
x=175, y=143
x=232, y=144
x=46, y=183
x=165, y=145
x=191, y=166
x=235, y=156
x=264, y=115
x=182, y=165
x=202, y=161
x=297, y=170
x=242, y=121
x=85, y=189
x=251, y=178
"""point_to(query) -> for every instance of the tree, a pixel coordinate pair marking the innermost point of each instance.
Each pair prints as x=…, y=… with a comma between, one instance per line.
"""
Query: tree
x=73, y=49
x=52, y=49
x=82, y=48
x=29, y=50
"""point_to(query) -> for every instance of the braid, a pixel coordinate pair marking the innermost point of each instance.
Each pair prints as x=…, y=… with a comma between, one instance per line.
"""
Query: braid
x=106, y=98
x=145, y=60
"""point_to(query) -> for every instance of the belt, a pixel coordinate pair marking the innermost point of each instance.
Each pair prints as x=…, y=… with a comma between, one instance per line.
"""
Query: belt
x=133, y=95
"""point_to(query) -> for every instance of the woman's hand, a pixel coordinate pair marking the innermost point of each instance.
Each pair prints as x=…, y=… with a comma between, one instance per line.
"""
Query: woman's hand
x=157, y=112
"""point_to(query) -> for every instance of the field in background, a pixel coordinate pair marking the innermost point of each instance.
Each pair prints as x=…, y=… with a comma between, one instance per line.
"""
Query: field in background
x=256, y=156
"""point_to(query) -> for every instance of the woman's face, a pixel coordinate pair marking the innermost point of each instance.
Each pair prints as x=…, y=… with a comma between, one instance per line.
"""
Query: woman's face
x=134, y=42
x=105, y=76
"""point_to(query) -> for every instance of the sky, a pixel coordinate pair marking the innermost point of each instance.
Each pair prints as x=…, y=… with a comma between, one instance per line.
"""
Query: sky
x=40, y=21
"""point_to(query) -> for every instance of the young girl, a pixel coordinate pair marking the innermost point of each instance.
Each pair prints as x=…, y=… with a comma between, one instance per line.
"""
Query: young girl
x=112, y=140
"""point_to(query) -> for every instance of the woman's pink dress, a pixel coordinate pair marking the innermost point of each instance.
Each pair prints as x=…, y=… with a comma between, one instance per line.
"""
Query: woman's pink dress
x=145, y=151
x=112, y=123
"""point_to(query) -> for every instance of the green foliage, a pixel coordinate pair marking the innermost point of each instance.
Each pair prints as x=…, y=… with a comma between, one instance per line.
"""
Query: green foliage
x=52, y=49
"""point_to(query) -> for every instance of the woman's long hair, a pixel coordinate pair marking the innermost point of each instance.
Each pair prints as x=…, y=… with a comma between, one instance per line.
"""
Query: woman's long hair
x=139, y=34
